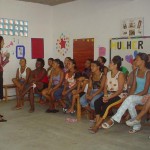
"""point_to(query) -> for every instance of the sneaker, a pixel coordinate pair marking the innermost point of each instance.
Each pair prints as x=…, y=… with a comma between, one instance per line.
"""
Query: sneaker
x=132, y=122
x=65, y=110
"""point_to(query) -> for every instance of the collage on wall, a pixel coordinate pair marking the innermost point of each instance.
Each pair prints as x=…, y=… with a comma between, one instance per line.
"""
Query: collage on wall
x=132, y=27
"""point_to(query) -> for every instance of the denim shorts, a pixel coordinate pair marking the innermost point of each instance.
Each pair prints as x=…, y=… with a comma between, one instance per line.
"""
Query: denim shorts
x=58, y=93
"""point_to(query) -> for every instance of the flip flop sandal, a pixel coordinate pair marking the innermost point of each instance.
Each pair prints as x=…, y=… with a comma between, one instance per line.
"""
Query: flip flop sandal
x=1, y=116
x=105, y=125
x=90, y=128
x=94, y=130
x=132, y=131
x=52, y=111
x=17, y=108
x=3, y=120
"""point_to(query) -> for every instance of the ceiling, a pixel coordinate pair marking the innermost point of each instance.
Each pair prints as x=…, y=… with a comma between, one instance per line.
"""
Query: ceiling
x=49, y=2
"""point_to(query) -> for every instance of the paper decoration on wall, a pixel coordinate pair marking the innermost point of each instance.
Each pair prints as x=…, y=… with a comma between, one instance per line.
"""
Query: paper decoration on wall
x=102, y=51
x=62, y=44
x=37, y=47
x=128, y=48
x=20, y=51
x=10, y=44
x=132, y=27
x=129, y=58
x=13, y=27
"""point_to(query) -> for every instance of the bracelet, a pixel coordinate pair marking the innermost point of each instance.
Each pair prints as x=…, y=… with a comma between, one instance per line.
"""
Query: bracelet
x=105, y=95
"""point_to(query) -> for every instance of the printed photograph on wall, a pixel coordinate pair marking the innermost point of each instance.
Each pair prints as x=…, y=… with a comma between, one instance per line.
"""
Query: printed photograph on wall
x=20, y=51
x=132, y=27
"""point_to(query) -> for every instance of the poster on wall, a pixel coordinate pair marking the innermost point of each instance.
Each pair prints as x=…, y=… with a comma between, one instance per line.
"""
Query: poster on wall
x=128, y=48
x=37, y=48
x=132, y=27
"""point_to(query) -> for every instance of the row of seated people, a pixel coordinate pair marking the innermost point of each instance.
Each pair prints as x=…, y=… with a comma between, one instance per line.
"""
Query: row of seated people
x=96, y=90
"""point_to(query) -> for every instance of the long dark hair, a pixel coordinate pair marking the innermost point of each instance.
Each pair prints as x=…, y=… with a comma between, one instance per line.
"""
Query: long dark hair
x=144, y=57
x=1, y=39
x=60, y=63
x=117, y=60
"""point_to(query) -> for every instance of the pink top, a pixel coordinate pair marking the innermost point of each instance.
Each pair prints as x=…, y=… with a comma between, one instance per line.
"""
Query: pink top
x=2, y=62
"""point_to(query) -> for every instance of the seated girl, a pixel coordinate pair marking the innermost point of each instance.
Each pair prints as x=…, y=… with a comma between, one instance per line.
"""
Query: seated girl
x=70, y=82
x=49, y=70
x=102, y=60
x=21, y=81
x=145, y=109
x=66, y=60
x=140, y=87
x=113, y=91
x=82, y=84
x=95, y=88
x=55, y=87
x=37, y=82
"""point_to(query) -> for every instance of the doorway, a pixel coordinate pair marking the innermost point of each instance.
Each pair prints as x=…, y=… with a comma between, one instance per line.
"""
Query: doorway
x=83, y=49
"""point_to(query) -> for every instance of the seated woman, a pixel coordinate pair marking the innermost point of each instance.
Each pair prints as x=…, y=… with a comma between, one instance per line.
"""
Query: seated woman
x=82, y=84
x=87, y=69
x=55, y=87
x=1, y=119
x=139, y=88
x=21, y=81
x=50, y=64
x=66, y=60
x=130, y=77
x=95, y=88
x=113, y=92
x=69, y=83
x=49, y=70
x=37, y=82
x=102, y=60
x=145, y=109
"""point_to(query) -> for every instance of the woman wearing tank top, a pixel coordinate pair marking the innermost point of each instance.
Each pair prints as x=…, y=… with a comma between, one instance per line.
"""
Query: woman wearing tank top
x=21, y=80
x=140, y=87
x=95, y=88
x=55, y=87
x=113, y=92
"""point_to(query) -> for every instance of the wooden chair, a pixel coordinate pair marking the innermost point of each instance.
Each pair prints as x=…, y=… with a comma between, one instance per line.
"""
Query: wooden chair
x=6, y=87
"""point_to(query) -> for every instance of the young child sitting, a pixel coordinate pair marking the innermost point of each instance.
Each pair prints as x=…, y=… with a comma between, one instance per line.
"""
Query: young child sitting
x=82, y=86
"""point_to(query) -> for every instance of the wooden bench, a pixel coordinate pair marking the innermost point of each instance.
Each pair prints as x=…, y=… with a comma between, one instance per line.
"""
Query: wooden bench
x=6, y=87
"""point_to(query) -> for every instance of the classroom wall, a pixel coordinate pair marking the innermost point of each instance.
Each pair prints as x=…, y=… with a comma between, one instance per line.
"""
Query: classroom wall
x=39, y=19
x=99, y=19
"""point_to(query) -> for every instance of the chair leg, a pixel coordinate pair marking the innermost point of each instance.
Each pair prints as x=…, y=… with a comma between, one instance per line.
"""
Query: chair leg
x=78, y=110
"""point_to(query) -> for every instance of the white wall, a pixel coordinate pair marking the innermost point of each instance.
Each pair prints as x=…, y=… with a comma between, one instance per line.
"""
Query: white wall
x=99, y=19
x=39, y=19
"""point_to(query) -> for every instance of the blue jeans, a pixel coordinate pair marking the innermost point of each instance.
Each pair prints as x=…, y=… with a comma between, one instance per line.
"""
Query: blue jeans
x=84, y=102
